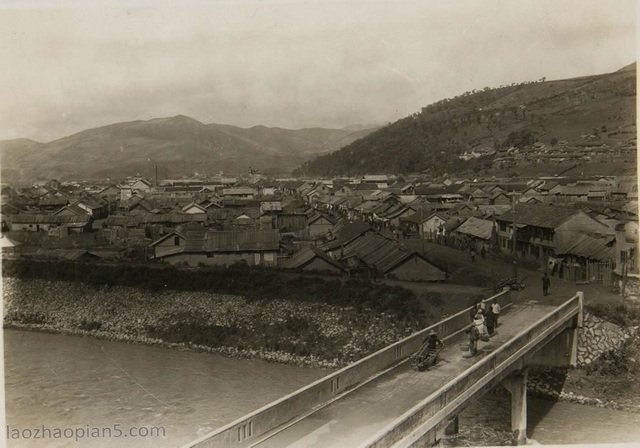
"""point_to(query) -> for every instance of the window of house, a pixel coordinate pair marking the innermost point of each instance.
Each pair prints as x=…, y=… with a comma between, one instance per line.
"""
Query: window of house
x=176, y=240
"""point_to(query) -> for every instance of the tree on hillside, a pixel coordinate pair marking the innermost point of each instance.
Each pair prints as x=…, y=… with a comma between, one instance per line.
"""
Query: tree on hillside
x=519, y=138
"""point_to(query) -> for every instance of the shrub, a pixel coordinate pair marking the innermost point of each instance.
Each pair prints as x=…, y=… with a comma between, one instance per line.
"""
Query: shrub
x=89, y=325
x=254, y=283
x=610, y=363
x=619, y=314
x=195, y=333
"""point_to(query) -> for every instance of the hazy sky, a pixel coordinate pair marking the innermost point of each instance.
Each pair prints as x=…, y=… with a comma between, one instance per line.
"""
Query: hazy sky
x=66, y=67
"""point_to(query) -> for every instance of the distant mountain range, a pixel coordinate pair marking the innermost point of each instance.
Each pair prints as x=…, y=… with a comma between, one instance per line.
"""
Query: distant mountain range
x=176, y=146
x=597, y=112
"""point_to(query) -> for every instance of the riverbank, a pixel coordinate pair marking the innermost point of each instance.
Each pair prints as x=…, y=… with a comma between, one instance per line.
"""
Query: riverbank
x=306, y=334
x=608, y=373
x=302, y=333
x=64, y=381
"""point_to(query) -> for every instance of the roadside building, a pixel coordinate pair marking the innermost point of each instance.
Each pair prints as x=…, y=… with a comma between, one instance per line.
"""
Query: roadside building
x=377, y=256
x=200, y=246
x=542, y=230
x=627, y=272
x=431, y=226
x=476, y=233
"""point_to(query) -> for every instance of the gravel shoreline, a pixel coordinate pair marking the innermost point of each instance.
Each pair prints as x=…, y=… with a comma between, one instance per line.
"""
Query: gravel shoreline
x=301, y=333
x=322, y=336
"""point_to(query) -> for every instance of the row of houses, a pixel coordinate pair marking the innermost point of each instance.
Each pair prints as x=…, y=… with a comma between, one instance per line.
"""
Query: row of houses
x=499, y=216
x=347, y=248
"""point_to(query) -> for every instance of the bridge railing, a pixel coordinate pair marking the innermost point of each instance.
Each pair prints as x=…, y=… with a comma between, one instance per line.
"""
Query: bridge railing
x=443, y=403
x=249, y=428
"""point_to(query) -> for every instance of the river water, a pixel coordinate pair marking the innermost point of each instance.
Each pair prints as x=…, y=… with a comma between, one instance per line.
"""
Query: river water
x=81, y=383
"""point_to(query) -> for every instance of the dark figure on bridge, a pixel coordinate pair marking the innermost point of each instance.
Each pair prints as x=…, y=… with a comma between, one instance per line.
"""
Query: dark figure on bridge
x=427, y=354
x=546, y=282
x=474, y=335
x=432, y=341
x=483, y=253
x=481, y=308
x=490, y=322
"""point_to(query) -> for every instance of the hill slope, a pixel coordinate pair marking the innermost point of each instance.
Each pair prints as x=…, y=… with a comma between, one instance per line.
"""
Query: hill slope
x=592, y=112
x=178, y=145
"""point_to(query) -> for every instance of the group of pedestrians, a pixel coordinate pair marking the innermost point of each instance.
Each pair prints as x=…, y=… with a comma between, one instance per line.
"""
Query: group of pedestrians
x=483, y=254
x=484, y=322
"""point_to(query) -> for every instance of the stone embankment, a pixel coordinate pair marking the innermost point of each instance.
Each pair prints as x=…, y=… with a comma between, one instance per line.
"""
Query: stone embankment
x=302, y=333
x=598, y=339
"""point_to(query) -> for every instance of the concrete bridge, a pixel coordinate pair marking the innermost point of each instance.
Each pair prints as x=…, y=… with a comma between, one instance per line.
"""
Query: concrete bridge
x=380, y=401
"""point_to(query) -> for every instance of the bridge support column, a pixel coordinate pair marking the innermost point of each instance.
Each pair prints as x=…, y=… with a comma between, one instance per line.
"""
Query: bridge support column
x=453, y=427
x=516, y=384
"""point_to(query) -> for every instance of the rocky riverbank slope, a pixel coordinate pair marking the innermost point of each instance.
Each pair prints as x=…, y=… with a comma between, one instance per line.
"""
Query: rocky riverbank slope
x=608, y=371
x=303, y=333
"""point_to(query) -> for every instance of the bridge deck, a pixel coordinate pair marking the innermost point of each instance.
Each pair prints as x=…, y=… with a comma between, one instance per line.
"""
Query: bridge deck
x=358, y=414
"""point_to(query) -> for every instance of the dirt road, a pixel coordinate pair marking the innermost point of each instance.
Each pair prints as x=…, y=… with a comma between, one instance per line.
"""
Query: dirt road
x=469, y=277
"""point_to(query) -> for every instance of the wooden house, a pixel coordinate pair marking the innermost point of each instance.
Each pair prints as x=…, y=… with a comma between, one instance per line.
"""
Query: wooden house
x=377, y=256
x=319, y=223
x=476, y=233
x=343, y=234
x=542, y=230
x=63, y=224
x=313, y=259
x=431, y=226
x=194, y=247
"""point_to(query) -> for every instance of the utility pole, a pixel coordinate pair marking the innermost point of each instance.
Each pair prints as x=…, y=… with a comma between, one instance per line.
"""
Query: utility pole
x=420, y=229
x=623, y=285
x=514, y=240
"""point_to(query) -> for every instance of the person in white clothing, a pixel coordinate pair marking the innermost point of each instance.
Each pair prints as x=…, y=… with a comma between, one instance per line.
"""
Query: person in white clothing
x=495, y=309
x=479, y=322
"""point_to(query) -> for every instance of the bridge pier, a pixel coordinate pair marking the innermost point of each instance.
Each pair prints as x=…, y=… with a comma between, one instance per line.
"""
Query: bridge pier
x=453, y=427
x=516, y=384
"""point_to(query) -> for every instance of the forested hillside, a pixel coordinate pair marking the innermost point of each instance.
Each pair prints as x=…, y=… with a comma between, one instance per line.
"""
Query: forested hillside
x=592, y=111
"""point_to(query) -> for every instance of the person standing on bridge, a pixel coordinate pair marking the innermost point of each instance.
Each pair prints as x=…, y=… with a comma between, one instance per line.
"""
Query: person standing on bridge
x=472, y=331
x=480, y=323
x=546, y=283
x=490, y=322
x=495, y=310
